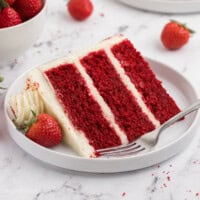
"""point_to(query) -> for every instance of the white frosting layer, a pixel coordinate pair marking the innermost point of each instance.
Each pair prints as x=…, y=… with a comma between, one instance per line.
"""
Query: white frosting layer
x=131, y=87
x=106, y=45
x=105, y=108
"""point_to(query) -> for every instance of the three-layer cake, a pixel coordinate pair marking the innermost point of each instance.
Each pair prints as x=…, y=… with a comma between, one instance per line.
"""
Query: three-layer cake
x=103, y=97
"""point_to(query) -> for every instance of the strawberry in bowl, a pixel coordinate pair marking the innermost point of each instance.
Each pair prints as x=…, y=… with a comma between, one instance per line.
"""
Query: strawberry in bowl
x=21, y=28
x=8, y=15
x=28, y=8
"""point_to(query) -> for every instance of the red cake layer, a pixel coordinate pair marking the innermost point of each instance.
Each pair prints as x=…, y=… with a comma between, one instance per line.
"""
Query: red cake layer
x=128, y=114
x=82, y=109
x=154, y=95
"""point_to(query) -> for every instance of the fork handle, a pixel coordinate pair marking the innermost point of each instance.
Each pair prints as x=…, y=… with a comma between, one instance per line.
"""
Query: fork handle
x=181, y=114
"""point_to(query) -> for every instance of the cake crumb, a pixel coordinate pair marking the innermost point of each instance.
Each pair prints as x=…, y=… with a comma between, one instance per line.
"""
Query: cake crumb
x=101, y=14
x=123, y=194
x=168, y=178
x=164, y=185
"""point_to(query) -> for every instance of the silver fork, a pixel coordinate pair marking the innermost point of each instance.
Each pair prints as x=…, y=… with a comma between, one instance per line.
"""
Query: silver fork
x=149, y=140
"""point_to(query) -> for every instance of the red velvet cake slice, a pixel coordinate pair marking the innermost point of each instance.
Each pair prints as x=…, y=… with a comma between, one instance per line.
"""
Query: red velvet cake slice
x=103, y=97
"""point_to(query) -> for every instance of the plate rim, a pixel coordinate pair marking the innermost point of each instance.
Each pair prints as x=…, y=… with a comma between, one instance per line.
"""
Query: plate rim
x=166, y=6
x=10, y=124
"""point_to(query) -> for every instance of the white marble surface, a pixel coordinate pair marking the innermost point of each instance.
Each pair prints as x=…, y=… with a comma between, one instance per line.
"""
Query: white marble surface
x=22, y=177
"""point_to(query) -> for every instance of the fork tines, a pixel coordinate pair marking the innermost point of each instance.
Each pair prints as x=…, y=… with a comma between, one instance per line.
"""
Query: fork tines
x=121, y=150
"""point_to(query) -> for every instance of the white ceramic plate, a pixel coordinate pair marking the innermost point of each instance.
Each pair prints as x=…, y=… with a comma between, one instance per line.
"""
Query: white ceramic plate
x=172, y=141
x=166, y=6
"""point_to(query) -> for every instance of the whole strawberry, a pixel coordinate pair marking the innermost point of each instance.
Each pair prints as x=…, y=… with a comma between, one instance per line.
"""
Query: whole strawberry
x=174, y=35
x=8, y=16
x=45, y=131
x=80, y=9
x=28, y=8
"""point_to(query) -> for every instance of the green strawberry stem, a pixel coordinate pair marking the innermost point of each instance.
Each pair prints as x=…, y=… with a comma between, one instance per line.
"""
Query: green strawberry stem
x=28, y=124
x=183, y=25
x=4, y=4
x=1, y=80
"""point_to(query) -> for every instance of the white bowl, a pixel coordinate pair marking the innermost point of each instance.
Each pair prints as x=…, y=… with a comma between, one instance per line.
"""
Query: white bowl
x=17, y=39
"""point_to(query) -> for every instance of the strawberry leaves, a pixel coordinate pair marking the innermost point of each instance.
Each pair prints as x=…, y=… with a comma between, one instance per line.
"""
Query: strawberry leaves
x=1, y=80
x=183, y=25
x=3, y=4
x=28, y=124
